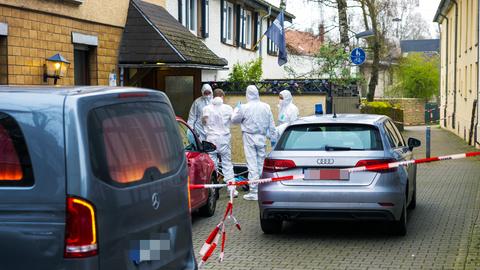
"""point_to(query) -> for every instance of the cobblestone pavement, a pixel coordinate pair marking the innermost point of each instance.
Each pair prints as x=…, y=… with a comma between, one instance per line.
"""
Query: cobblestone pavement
x=443, y=231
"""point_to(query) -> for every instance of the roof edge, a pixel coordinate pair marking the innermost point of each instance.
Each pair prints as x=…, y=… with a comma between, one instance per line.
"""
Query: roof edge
x=444, y=5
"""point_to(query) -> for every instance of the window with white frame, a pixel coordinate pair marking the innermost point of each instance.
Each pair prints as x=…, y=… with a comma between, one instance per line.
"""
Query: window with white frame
x=247, y=29
x=272, y=49
x=194, y=15
x=228, y=23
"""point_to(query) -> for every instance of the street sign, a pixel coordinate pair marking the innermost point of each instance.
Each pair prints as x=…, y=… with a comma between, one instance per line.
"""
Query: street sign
x=358, y=56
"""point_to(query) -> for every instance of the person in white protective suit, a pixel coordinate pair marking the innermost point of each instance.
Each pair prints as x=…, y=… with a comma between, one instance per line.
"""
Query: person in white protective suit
x=257, y=124
x=195, y=115
x=287, y=111
x=216, y=119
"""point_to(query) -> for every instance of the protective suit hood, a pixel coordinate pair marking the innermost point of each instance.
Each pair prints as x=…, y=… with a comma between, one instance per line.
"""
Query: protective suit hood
x=252, y=93
x=287, y=98
x=206, y=87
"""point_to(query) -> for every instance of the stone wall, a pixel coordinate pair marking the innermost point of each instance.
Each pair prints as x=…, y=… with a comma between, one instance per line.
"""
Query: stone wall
x=34, y=36
x=413, y=109
x=305, y=104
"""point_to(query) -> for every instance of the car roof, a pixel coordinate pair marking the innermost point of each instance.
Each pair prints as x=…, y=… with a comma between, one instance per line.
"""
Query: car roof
x=61, y=90
x=367, y=119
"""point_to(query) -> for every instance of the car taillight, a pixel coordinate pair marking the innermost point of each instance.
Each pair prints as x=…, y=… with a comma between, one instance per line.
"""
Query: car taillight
x=277, y=165
x=80, y=229
x=377, y=165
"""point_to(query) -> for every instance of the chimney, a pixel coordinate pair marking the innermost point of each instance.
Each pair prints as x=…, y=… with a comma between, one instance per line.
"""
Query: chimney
x=321, y=32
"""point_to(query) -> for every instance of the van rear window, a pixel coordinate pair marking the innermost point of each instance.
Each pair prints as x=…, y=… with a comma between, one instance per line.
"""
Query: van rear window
x=15, y=164
x=133, y=142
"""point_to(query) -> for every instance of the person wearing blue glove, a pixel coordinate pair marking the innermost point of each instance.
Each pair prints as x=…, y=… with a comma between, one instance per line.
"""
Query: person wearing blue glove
x=256, y=120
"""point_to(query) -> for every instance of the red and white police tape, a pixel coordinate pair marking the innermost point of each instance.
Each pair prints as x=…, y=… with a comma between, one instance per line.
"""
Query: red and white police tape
x=241, y=183
x=219, y=231
x=391, y=165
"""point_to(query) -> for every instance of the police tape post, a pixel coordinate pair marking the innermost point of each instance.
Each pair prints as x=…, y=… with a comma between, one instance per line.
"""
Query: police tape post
x=219, y=231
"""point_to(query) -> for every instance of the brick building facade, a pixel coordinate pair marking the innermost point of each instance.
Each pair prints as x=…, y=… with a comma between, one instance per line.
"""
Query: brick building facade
x=37, y=31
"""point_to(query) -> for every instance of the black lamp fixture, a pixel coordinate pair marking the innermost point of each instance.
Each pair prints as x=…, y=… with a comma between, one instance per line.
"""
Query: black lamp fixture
x=55, y=67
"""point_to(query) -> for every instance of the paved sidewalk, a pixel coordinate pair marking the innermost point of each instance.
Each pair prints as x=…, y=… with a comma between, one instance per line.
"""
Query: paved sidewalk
x=441, y=230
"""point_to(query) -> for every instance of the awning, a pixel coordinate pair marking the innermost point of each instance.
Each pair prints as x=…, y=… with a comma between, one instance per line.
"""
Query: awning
x=154, y=37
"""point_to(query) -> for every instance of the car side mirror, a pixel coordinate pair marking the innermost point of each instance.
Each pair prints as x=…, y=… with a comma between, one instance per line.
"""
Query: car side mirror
x=208, y=147
x=413, y=143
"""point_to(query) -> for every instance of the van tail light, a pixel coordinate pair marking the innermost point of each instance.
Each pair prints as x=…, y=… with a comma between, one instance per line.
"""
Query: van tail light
x=132, y=95
x=277, y=165
x=80, y=229
x=377, y=165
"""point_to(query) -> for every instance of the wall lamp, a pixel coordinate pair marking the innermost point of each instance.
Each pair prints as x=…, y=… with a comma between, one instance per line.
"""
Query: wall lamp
x=55, y=67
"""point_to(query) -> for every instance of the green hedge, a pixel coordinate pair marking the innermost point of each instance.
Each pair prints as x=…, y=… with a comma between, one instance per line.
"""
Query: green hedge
x=384, y=108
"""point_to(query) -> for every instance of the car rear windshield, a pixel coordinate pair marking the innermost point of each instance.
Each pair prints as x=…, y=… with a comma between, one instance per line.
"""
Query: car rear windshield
x=331, y=137
x=15, y=164
x=134, y=142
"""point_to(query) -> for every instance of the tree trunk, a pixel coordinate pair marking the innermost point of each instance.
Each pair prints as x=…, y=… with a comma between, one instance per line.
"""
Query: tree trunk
x=343, y=21
x=376, y=48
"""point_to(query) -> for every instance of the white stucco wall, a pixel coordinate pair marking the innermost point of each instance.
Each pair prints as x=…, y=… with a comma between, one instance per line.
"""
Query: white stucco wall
x=271, y=69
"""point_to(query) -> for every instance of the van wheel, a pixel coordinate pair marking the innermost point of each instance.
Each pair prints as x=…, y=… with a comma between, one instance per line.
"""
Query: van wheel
x=271, y=226
x=399, y=227
x=208, y=209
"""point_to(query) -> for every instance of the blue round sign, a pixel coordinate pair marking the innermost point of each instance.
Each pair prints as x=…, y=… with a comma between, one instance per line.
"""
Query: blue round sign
x=358, y=56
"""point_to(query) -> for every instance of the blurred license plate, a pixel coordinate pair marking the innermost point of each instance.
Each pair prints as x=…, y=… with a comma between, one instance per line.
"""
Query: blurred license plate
x=326, y=174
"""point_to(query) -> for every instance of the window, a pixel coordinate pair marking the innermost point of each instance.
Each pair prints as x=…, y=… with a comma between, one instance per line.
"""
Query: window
x=331, y=137
x=272, y=49
x=15, y=165
x=227, y=22
x=81, y=55
x=247, y=29
x=195, y=16
x=188, y=139
x=393, y=135
x=188, y=14
x=133, y=142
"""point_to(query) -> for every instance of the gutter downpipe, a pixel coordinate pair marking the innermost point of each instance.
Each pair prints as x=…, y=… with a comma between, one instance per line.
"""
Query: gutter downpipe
x=260, y=46
x=455, y=66
x=478, y=74
x=446, y=71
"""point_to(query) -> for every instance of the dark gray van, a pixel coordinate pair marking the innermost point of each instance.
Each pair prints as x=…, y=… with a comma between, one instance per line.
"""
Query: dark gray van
x=92, y=178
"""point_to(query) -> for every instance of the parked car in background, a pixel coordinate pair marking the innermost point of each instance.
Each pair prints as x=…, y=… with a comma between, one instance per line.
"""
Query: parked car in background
x=201, y=170
x=87, y=175
x=319, y=147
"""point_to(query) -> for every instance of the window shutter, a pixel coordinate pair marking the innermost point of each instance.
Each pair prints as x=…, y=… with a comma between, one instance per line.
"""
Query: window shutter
x=223, y=13
x=205, y=19
x=180, y=8
x=255, y=29
x=237, y=24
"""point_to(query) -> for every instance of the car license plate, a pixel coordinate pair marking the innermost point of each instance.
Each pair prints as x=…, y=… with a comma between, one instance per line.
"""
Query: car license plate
x=326, y=174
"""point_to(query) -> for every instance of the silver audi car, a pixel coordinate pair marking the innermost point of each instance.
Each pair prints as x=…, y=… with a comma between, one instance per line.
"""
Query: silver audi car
x=319, y=147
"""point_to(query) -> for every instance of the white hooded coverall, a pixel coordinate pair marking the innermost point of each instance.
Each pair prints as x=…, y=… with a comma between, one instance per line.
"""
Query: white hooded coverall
x=195, y=115
x=217, y=127
x=287, y=111
x=257, y=124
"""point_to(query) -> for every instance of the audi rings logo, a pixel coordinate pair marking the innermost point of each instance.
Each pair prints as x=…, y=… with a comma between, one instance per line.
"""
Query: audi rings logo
x=325, y=161
x=155, y=201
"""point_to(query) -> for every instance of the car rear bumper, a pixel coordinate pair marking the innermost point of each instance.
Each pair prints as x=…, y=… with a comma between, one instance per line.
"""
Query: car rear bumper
x=302, y=202
x=326, y=214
